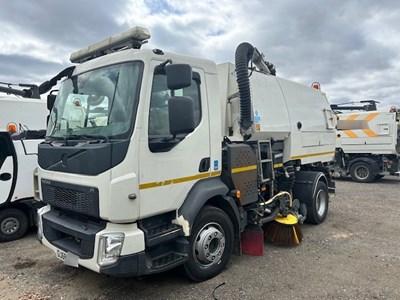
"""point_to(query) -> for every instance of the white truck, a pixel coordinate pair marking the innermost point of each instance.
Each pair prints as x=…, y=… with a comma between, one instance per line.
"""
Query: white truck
x=22, y=128
x=367, y=142
x=154, y=160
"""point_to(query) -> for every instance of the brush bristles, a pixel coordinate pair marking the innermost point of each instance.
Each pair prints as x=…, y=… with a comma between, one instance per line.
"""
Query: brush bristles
x=281, y=234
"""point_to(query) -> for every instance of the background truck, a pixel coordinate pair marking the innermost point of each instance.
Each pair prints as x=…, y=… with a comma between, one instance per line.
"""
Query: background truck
x=368, y=142
x=23, y=118
x=154, y=160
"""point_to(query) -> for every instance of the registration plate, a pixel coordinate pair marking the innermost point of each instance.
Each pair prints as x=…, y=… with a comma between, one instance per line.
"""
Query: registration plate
x=61, y=254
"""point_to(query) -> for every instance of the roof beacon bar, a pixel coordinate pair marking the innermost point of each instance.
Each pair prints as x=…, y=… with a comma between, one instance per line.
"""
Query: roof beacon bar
x=132, y=38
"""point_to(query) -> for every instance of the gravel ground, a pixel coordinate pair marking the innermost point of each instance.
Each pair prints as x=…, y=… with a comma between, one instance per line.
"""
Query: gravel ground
x=353, y=255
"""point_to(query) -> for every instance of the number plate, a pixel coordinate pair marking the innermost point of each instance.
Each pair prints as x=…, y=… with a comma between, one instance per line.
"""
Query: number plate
x=61, y=254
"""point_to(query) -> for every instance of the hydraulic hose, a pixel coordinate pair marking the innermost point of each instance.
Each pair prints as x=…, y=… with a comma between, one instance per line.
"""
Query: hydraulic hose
x=243, y=54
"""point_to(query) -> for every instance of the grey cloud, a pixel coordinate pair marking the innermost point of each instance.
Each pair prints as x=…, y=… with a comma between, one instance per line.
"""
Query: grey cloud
x=25, y=69
x=64, y=23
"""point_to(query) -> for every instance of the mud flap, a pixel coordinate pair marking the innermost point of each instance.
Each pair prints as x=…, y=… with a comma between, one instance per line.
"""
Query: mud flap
x=252, y=240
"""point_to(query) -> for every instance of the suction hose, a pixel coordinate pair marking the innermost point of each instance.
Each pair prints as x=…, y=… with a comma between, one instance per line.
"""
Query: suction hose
x=243, y=54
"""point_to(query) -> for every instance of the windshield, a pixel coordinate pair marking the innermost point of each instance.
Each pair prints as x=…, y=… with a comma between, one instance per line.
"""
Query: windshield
x=98, y=103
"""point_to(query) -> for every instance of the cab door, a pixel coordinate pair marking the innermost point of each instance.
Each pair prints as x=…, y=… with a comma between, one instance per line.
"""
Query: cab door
x=168, y=166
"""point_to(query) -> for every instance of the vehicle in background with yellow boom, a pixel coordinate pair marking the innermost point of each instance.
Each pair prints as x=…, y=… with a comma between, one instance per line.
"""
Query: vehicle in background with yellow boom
x=154, y=160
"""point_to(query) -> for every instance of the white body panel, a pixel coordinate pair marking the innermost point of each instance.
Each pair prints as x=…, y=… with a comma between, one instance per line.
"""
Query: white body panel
x=27, y=161
x=30, y=113
x=278, y=107
x=26, y=114
x=371, y=132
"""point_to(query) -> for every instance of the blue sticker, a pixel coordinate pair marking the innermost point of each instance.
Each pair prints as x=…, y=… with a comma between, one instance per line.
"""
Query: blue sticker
x=215, y=165
x=257, y=117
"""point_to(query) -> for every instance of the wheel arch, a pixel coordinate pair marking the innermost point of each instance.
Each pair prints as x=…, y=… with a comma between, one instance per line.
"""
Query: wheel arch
x=306, y=183
x=212, y=192
x=373, y=163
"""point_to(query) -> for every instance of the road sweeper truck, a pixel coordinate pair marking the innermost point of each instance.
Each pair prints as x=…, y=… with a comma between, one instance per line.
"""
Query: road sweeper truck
x=368, y=142
x=154, y=160
x=22, y=128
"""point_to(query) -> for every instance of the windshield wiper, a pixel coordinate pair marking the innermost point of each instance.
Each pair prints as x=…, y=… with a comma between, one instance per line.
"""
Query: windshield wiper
x=87, y=137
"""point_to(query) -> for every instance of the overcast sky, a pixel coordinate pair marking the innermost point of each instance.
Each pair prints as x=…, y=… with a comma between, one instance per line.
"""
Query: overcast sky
x=350, y=47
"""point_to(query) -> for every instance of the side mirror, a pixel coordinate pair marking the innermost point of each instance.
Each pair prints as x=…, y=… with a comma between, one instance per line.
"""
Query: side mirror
x=179, y=76
x=181, y=115
x=51, y=98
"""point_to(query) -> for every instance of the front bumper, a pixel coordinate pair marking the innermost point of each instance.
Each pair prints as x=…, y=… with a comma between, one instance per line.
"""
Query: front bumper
x=82, y=239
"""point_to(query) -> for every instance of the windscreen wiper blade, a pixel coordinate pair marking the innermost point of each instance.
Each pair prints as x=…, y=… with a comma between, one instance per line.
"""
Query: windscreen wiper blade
x=87, y=137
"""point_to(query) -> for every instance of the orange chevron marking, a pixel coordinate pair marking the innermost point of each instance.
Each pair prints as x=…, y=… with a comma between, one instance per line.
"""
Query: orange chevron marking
x=371, y=116
x=370, y=132
x=353, y=117
x=350, y=133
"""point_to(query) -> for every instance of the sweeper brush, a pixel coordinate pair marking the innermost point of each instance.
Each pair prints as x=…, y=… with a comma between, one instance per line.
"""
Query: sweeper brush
x=284, y=231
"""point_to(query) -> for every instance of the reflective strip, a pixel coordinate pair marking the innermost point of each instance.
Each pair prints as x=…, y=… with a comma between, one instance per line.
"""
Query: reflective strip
x=278, y=165
x=350, y=133
x=244, y=169
x=371, y=116
x=312, y=155
x=370, y=132
x=353, y=117
x=178, y=180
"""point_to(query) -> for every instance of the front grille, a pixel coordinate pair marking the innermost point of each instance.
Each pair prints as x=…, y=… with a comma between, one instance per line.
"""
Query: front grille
x=76, y=198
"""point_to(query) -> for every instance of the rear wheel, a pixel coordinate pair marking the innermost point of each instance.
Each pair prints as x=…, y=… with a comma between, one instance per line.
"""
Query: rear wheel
x=362, y=172
x=317, y=206
x=210, y=244
x=13, y=224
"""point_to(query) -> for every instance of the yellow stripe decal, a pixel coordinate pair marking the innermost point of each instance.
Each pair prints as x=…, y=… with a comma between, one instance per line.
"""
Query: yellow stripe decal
x=350, y=133
x=178, y=180
x=370, y=132
x=353, y=117
x=244, y=169
x=278, y=165
x=312, y=155
x=371, y=116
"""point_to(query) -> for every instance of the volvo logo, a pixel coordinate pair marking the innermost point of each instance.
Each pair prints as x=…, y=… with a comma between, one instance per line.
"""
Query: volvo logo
x=44, y=181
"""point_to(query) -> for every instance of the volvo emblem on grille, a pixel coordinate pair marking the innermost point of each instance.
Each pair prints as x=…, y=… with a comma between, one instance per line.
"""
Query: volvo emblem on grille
x=45, y=181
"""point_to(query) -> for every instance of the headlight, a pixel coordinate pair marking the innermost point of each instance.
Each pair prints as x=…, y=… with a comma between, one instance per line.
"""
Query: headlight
x=110, y=247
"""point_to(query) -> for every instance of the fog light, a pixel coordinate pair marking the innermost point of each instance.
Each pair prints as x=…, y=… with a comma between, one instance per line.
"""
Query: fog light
x=110, y=246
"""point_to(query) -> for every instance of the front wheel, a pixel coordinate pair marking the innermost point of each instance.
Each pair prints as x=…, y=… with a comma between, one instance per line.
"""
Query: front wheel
x=318, y=204
x=210, y=244
x=362, y=172
x=13, y=224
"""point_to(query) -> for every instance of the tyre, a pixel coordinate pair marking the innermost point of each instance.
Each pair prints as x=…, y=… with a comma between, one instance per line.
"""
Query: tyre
x=13, y=224
x=362, y=172
x=318, y=204
x=210, y=244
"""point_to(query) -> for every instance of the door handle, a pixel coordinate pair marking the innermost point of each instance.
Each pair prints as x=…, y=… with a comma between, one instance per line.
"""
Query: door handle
x=204, y=165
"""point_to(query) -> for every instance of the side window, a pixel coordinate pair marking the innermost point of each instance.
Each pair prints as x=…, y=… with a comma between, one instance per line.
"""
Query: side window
x=160, y=139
